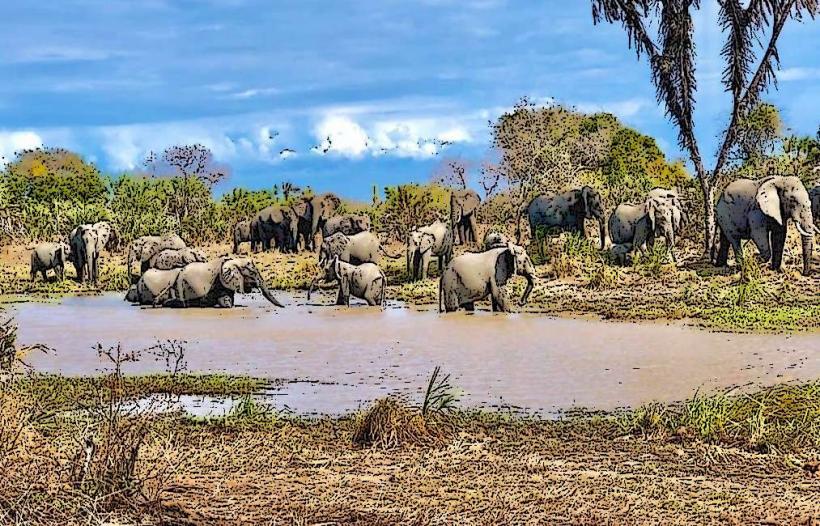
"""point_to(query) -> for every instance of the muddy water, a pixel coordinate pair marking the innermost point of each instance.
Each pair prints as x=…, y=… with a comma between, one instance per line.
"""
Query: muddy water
x=334, y=360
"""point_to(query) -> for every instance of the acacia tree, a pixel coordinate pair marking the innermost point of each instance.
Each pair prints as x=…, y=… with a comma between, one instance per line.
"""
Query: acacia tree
x=750, y=68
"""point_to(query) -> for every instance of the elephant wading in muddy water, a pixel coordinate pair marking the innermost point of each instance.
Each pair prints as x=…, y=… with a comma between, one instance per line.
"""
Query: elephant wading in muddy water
x=277, y=225
x=365, y=281
x=759, y=210
x=463, y=206
x=146, y=247
x=154, y=287
x=566, y=212
x=176, y=258
x=363, y=247
x=424, y=243
x=215, y=283
x=473, y=276
x=638, y=225
x=347, y=224
x=48, y=256
x=86, y=243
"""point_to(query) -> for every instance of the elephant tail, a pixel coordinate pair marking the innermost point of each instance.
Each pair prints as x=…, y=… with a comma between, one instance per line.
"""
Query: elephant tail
x=391, y=256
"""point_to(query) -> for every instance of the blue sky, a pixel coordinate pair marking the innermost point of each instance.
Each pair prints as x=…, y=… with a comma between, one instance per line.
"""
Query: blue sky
x=264, y=83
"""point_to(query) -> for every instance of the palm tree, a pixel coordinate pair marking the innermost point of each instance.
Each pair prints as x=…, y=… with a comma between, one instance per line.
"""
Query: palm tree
x=749, y=71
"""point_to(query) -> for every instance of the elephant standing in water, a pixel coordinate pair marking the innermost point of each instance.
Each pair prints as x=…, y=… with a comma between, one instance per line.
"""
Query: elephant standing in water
x=759, y=210
x=48, y=256
x=473, y=276
x=365, y=281
x=638, y=225
x=313, y=213
x=566, y=212
x=425, y=242
x=145, y=247
x=86, y=244
x=463, y=206
x=154, y=287
x=363, y=247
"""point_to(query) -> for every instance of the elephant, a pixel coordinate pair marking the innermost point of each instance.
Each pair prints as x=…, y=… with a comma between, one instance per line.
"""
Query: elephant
x=154, y=287
x=48, y=256
x=313, y=213
x=277, y=224
x=215, y=283
x=814, y=196
x=171, y=258
x=347, y=224
x=366, y=281
x=425, y=242
x=463, y=205
x=638, y=225
x=566, y=212
x=145, y=247
x=473, y=276
x=495, y=240
x=759, y=210
x=620, y=253
x=363, y=247
x=86, y=243
x=241, y=234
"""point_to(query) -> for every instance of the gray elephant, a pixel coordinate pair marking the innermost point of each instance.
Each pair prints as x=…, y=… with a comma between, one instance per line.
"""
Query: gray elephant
x=814, y=196
x=365, y=281
x=49, y=256
x=216, y=282
x=621, y=253
x=566, y=212
x=313, y=213
x=639, y=225
x=277, y=225
x=86, y=243
x=144, y=248
x=463, y=206
x=495, y=240
x=171, y=258
x=424, y=243
x=473, y=276
x=363, y=247
x=759, y=210
x=347, y=224
x=242, y=234
x=154, y=287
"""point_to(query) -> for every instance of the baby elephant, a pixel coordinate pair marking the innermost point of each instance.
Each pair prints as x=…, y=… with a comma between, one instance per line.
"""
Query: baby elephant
x=365, y=281
x=172, y=258
x=49, y=256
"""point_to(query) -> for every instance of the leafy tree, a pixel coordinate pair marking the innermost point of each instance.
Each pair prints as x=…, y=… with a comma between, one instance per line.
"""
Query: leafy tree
x=408, y=206
x=44, y=175
x=670, y=52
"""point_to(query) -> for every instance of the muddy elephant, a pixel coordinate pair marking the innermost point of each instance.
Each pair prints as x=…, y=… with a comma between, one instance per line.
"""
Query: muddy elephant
x=363, y=247
x=171, y=258
x=277, y=226
x=241, y=234
x=473, y=276
x=463, y=206
x=154, y=287
x=365, y=281
x=566, y=212
x=347, y=224
x=639, y=225
x=424, y=243
x=216, y=282
x=86, y=243
x=49, y=256
x=145, y=247
x=313, y=213
x=759, y=210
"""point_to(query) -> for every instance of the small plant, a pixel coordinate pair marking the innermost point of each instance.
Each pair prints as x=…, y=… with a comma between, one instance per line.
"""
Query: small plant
x=603, y=277
x=390, y=424
x=439, y=396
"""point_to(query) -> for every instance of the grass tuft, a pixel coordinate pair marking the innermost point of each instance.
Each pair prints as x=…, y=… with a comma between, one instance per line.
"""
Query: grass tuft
x=391, y=424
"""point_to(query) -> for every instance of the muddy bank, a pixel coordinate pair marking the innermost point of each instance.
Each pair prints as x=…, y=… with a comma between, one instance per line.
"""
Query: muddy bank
x=336, y=360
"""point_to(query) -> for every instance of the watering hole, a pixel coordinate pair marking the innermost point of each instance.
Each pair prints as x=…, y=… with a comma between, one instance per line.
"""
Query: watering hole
x=332, y=360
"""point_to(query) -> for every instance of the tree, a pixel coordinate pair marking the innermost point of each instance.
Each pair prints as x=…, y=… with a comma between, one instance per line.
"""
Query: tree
x=45, y=175
x=671, y=57
x=452, y=173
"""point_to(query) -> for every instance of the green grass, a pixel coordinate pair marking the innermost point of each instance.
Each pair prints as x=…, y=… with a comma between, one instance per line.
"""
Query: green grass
x=762, y=318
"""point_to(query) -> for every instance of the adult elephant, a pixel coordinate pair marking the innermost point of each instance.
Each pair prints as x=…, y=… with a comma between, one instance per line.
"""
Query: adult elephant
x=473, y=276
x=145, y=247
x=86, y=243
x=348, y=225
x=313, y=213
x=215, y=283
x=463, y=205
x=566, y=212
x=759, y=210
x=171, y=258
x=277, y=225
x=363, y=247
x=424, y=243
x=154, y=287
x=241, y=234
x=639, y=225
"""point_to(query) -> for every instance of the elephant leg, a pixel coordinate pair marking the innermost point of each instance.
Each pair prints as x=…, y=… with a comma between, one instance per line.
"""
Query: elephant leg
x=760, y=237
x=60, y=271
x=469, y=306
x=425, y=265
x=44, y=272
x=737, y=248
x=723, y=251
x=225, y=301
x=494, y=304
x=778, y=242
x=473, y=228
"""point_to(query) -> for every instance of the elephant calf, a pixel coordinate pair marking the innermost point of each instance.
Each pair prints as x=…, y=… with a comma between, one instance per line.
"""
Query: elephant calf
x=176, y=258
x=49, y=256
x=365, y=281
x=639, y=225
x=154, y=287
x=425, y=242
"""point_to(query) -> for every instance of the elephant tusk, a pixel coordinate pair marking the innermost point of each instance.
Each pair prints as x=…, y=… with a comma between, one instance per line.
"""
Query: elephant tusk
x=803, y=232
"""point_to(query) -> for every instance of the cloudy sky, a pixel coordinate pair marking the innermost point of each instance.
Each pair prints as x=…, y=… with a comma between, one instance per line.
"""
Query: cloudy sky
x=337, y=95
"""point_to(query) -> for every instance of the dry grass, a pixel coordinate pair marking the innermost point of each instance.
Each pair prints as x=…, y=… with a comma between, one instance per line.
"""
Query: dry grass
x=390, y=424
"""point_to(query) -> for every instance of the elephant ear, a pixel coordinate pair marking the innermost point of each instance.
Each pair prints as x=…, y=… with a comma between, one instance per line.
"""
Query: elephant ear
x=651, y=213
x=504, y=267
x=768, y=199
x=426, y=242
x=231, y=276
x=677, y=217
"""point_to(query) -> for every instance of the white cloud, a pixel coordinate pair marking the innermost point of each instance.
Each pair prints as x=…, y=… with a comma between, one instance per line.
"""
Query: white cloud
x=793, y=74
x=59, y=54
x=623, y=109
x=253, y=92
x=11, y=142
x=341, y=135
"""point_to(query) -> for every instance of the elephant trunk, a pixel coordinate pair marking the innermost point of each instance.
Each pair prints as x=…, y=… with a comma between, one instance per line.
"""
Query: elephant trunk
x=603, y=233
x=527, y=291
x=268, y=294
x=807, y=242
x=313, y=285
